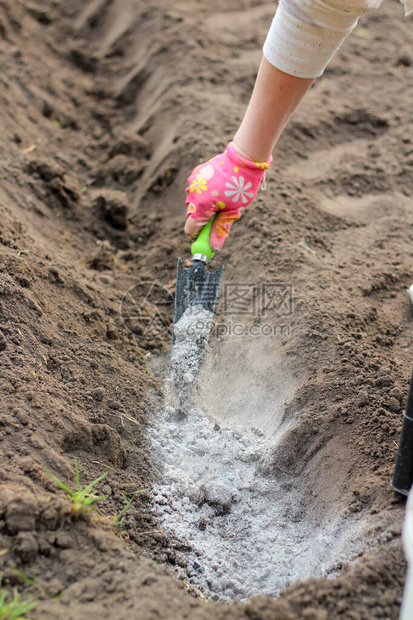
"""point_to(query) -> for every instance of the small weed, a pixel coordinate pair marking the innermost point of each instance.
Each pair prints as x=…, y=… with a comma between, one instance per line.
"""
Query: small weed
x=82, y=499
x=16, y=608
x=59, y=124
x=29, y=581
x=118, y=520
x=121, y=516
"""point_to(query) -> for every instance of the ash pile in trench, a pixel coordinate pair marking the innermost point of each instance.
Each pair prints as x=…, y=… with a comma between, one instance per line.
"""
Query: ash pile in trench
x=249, y=533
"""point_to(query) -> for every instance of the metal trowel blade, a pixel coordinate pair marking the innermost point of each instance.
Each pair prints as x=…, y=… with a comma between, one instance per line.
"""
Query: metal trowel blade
x=195, y=286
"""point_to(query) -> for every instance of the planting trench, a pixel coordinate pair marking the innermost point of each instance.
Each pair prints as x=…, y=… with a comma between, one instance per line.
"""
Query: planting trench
x=252, y=527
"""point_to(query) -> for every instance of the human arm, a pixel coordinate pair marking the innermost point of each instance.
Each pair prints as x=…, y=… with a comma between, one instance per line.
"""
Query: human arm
x=304, y=36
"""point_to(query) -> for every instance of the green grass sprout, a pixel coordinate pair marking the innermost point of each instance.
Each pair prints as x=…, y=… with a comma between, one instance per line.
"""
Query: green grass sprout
x=118, y=520
x=16, y=608
x=29, y=581
x=82, y=499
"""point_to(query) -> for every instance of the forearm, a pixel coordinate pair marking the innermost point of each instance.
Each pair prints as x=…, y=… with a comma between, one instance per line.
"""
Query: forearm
x=303, y=37
x=275, y=97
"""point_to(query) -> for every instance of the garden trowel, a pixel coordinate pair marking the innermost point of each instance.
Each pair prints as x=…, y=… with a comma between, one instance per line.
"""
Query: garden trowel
x=196, y=287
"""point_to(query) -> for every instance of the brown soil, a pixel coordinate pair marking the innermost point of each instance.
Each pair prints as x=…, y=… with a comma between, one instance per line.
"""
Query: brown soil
x=106, y=105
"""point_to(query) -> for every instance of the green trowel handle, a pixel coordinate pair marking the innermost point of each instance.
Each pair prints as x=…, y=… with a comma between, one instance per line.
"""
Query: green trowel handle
x=201, y=244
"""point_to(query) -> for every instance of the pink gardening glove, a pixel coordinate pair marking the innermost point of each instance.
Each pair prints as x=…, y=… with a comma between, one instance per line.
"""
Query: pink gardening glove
x=226, y=184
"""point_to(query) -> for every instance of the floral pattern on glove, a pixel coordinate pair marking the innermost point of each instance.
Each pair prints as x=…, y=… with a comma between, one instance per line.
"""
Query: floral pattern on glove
x=238, y=189
x=226, y=184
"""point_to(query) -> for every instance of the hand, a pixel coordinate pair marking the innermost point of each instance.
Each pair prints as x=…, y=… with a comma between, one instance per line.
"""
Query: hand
x=226, y=184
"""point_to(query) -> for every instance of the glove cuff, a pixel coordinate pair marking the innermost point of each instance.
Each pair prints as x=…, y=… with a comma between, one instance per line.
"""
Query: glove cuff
x=243, y=162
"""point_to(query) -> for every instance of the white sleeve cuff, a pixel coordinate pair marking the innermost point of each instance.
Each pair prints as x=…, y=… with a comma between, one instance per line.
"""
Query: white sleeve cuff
x=408, y=6
x=305, y=35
